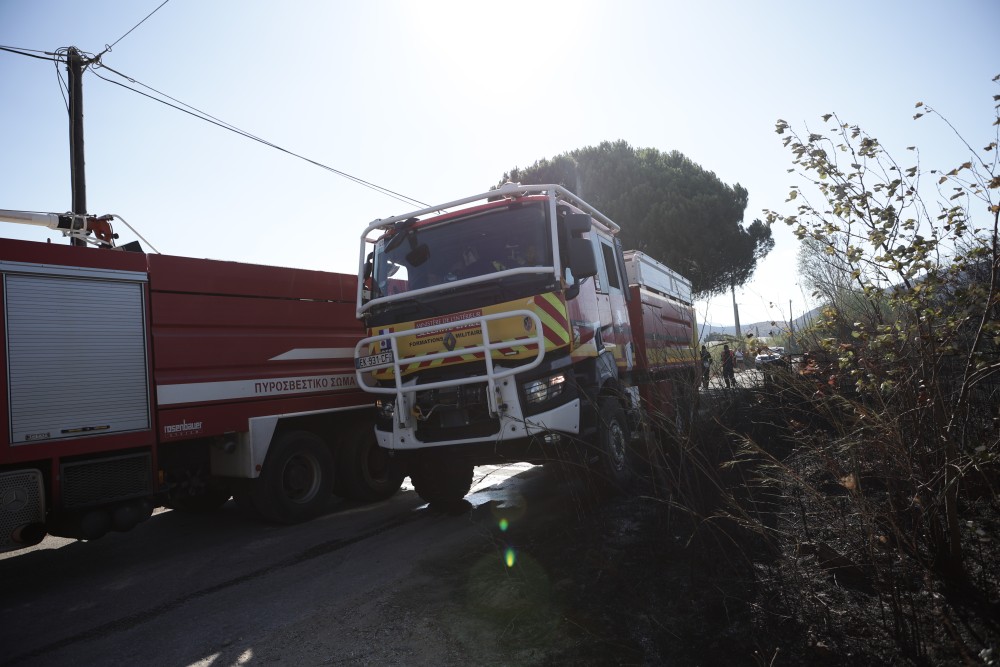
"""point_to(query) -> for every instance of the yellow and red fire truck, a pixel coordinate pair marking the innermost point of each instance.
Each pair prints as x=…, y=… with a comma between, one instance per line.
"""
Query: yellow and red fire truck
x=511, y=326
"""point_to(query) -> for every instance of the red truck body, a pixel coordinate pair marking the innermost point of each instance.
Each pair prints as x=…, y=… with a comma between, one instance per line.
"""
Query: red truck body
x=131, y=380
x=663, y=332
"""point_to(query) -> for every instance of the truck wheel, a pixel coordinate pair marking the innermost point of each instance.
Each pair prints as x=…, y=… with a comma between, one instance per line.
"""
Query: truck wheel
x=613, y=443
x=364, y=471
x=441, y=482
x=296, y=482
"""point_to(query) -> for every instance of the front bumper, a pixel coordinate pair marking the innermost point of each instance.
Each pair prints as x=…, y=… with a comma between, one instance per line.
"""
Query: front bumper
x=509, y=423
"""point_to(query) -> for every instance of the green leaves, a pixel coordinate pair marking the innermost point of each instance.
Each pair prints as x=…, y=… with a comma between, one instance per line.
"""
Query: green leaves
x=908, y=283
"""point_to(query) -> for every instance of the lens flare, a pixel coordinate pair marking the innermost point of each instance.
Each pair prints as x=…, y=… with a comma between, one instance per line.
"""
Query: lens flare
x=509, y=557
x=511, y=508
x=504, y=525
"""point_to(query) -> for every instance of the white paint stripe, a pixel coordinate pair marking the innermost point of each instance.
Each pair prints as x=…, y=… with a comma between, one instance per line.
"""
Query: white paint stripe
x=301, y=353
x=203, y=392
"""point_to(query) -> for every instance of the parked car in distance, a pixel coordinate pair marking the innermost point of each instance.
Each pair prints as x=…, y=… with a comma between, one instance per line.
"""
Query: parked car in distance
x=768, y=355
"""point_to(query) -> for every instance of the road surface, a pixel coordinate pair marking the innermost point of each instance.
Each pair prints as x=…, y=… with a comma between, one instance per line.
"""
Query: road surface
x=355, y=586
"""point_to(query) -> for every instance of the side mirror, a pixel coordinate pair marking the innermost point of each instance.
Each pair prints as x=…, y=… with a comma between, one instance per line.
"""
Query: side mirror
x=581, y=259
x=578, y=253
x=577, y=223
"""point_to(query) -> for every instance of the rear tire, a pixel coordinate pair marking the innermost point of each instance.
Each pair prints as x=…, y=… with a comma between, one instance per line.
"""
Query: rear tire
x=616, y=455
x=365, y=471
x=296, y=482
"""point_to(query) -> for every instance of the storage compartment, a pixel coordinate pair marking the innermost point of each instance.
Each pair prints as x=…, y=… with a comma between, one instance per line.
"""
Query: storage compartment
x=76, y=350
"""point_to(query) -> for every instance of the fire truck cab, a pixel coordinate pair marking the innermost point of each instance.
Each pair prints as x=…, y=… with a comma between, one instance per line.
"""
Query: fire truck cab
x=500, y=329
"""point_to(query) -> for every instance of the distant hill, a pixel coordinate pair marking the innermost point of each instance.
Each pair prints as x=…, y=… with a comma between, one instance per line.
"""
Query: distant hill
x=758, y=329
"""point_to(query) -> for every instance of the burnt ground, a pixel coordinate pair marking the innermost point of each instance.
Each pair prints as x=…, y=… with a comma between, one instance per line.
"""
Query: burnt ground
x=716, y=561
x=688, y=578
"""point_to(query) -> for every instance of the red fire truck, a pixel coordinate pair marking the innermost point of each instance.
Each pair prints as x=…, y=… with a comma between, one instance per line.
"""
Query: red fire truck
x=510, y=325
x=132, y=380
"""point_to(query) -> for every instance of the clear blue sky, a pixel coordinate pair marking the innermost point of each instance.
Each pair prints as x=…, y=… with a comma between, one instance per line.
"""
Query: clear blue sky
x=436, y=99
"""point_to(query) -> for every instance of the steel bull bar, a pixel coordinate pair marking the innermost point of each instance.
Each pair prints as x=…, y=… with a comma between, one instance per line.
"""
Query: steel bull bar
x=366, y=364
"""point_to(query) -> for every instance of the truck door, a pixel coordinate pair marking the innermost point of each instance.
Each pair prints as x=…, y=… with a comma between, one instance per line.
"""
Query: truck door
x=611, y=288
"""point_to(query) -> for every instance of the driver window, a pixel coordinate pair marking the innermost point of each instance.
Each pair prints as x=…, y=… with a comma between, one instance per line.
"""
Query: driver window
x=607, y=278
x=608, y=253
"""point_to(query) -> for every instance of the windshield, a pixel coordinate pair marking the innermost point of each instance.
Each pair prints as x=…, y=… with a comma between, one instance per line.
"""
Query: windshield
x=428, y=254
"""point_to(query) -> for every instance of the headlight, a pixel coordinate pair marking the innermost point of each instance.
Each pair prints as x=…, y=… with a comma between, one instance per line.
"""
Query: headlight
x=538, y=391
x=385, y=407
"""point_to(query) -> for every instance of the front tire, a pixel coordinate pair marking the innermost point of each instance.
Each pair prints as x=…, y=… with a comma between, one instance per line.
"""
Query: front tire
x=441, y=482
x=296, y=482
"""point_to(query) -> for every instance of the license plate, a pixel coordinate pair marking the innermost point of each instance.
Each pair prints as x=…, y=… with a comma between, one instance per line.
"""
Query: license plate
x=374, y=360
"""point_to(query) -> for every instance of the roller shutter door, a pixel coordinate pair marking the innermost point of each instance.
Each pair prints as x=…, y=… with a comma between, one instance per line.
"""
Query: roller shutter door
x=77, y=357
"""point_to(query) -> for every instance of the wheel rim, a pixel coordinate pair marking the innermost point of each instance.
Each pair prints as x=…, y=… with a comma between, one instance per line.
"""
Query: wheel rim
x=301, y=478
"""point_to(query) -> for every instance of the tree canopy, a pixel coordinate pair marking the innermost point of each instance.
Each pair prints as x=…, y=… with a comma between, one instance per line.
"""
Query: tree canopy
x=667, y=206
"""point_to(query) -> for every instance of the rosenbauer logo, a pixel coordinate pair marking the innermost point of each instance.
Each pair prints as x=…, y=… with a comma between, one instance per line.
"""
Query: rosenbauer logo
x=183, y=427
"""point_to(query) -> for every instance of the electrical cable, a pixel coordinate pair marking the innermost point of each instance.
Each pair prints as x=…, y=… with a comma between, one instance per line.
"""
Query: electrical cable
x=27, y=52
x=197, y=113
x=89, y=59
x=63, y=85
x=108, y=47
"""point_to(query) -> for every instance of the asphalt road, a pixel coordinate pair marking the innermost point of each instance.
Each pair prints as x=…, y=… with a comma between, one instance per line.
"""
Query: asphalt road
x=224, y=589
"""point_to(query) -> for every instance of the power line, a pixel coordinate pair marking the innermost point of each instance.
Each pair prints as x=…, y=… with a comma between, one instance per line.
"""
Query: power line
x=62, y=58
x=63, y=87
x=29, y=52
x=208, y=118
x=59, y=57
x=113, y=44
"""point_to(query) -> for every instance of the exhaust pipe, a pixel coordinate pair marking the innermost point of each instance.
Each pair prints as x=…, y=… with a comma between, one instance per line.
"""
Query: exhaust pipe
x=29, y=534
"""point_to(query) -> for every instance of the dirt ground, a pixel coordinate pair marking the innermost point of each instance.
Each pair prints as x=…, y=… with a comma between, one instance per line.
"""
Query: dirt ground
x=611, y=585
x=649, y=580
x=629, y=584
x=632, y=583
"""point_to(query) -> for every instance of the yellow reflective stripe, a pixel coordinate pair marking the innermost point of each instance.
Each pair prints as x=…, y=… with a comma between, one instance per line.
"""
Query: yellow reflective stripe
x=555, y=326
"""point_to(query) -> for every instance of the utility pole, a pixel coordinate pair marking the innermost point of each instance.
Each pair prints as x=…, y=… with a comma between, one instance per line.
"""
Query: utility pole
x=736, y=314
x=74, y=67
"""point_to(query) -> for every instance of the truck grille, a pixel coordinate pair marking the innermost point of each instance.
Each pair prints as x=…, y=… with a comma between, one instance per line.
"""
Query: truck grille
x=454, y=412
x=22, y=501
x=95, y=482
